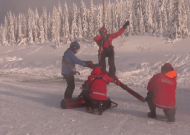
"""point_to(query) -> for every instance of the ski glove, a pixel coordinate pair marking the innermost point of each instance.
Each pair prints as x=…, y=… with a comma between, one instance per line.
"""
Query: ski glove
x=87, y=63
x=125, y=25
x=90, y=64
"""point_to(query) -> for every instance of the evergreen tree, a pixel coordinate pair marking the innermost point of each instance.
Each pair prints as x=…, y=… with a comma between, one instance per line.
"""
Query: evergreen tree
x=66, y=24
x=74, y=29
x=41, y=34
x=29, y=26
x=91, y=19
x=11, y=34
x=45, y=23
x=80, y=37
x=83, y=12
x=5, y=33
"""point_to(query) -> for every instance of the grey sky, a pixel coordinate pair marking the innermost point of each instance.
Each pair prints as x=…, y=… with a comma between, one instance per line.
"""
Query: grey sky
x=21, y=6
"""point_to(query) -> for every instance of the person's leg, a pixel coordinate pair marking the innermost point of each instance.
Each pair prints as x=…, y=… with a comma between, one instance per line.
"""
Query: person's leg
x=70, y=87
x=170, y=114
x=111, y=63
x=102, y=60
x=88, y=102
x=152, y=107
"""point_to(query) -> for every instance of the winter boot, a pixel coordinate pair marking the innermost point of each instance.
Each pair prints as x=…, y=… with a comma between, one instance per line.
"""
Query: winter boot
x=100, y=108
x=89, y=110
x=170, y=114
x=151, y=115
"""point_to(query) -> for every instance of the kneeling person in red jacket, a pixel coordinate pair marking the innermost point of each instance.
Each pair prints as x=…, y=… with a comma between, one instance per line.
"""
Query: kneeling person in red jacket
x=95, y=94
x=162, y=92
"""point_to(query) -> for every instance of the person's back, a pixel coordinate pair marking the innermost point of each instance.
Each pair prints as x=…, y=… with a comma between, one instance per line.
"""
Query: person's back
x=162, y=92
x=163, y=85
x=97, y=84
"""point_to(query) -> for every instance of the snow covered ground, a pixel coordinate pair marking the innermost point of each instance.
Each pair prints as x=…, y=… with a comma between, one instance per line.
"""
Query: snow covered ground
x=31, y=88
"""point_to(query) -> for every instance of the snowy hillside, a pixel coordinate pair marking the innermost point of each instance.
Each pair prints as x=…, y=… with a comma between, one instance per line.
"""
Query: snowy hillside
x=31, y=88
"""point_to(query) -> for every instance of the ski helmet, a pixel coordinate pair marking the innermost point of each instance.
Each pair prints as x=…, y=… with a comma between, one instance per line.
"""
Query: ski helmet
x=103, y=31
x=74, y=45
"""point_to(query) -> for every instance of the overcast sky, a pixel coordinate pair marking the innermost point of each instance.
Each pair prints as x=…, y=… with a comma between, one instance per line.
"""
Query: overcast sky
x=21, y=6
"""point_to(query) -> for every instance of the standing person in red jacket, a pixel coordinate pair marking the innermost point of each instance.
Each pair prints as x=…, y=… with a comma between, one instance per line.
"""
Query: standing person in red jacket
x=162, y=91
x=106, y=48
x=95, y=93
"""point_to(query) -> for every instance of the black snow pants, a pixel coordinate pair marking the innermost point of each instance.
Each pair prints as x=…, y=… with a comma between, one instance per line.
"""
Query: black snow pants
x=108, y=52
x=170, y=113
x=93, y=103
x=70, y=87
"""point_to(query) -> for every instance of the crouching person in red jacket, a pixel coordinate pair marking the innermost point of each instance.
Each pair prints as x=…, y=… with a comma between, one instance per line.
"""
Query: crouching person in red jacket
x=162, y=91
x=95, y=91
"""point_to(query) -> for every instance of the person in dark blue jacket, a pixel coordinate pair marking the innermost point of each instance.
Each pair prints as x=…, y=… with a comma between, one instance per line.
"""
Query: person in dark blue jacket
x=68, y=67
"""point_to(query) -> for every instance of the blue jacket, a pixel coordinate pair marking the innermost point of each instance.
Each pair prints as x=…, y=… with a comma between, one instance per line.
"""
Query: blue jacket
x=70, y=57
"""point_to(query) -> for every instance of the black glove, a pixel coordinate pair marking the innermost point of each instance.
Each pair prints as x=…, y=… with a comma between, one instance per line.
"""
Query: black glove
x=125, y=25
x=87, y=63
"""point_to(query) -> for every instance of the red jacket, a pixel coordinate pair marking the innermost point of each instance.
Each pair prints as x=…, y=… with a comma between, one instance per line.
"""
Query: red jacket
x=98, y=40
x=97, y=84
x=163, y=85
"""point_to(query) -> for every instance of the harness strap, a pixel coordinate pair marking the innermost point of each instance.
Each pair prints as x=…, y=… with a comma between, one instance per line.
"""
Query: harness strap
x=96, y=79
x=93, y=82
x=106, y=38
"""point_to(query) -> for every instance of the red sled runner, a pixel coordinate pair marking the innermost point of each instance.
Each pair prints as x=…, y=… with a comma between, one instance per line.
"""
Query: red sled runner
x=73, y=103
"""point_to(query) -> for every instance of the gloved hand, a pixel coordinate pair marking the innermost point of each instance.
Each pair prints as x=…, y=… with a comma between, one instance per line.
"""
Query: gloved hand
x=115, y=78
x=125, y=25
x=87, y=63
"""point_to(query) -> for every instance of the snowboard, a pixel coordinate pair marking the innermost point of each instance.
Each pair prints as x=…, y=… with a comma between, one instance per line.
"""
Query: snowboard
x=72, y=103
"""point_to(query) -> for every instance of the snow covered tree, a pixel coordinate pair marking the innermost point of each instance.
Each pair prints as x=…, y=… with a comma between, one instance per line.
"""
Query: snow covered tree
x=159, y=16
x=11, y=34
x=41, y=34
x=49, y=25
x=98, y=19
x=66, y=24
x=4, y=36
x=91, y=19
x=29, y=26
x=45, y=23
x=115, y=17
x=61, y=33
x=20, y=34
x=74, y=29
x=179, y=20
x=54, y=24
x=36, y=29
x=84, y=18
x=109, y=17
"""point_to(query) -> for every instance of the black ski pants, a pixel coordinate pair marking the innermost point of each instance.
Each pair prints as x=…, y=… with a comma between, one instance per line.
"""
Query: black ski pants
x=70, y=87
x=170, y=113
x=108, y=52
x=93, y=103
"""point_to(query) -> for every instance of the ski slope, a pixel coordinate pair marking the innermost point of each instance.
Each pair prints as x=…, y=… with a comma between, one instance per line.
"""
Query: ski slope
x=31, y=88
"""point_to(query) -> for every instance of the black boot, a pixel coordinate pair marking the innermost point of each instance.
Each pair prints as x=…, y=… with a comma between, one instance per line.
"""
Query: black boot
x=170, y=114
x=151, y=115
x=100, y=108
x=152, y=107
